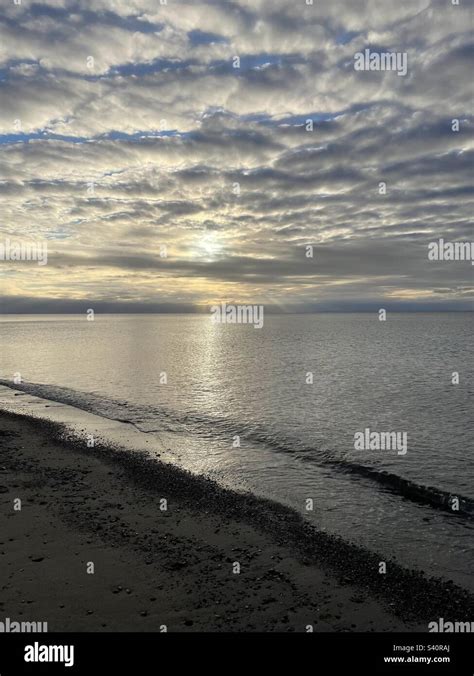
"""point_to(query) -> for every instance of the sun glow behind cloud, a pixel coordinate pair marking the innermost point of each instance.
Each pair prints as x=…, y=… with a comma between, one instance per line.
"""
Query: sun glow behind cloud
x=209, y=246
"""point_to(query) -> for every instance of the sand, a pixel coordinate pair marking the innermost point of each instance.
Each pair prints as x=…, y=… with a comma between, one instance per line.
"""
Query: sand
x=94, y=549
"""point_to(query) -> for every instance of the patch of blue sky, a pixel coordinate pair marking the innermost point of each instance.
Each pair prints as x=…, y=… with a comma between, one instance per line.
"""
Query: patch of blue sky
x=147, y=68
x=249, y=62
x=296, y=120
x=6, y=139
x=197, y=37
x=5, y=71
x=138, y=135
x=345, y=37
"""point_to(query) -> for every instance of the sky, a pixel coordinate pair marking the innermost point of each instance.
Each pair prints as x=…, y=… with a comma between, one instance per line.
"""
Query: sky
x=174, y=154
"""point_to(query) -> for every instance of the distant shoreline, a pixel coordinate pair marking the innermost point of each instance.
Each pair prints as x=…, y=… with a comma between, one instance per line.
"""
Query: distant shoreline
x=82, y=309
x=103, y=505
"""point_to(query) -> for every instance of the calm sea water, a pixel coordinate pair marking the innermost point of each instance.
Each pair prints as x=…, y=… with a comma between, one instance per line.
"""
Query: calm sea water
x=296, y=438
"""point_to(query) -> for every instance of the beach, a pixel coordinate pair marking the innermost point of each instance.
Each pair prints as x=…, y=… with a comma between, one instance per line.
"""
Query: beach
x=171, y=551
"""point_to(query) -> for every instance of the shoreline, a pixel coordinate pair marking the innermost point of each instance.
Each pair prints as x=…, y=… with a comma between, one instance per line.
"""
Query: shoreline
x=103, y=505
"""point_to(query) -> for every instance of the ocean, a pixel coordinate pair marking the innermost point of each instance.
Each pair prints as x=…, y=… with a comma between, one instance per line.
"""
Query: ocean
x=276, y=411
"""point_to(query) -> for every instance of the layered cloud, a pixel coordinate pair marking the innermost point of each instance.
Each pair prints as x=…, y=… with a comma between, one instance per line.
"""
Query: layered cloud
x=177, y=154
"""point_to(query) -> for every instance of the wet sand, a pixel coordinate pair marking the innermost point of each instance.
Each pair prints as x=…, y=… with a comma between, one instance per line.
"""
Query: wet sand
x=177, y=568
